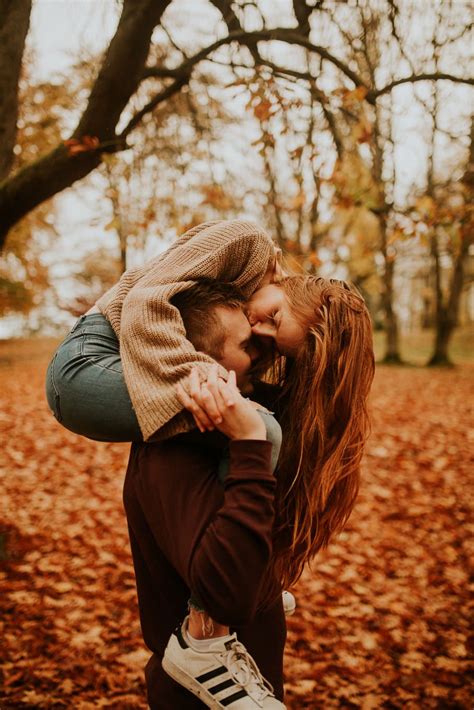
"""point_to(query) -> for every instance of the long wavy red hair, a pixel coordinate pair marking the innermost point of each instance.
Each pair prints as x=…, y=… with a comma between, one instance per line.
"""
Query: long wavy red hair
x=325, y=420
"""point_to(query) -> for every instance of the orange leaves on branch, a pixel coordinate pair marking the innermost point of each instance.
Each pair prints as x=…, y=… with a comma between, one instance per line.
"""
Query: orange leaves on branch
x=426, y=207
x=314, y=260
x=262, y=110
x=113, y=224
x=85, y=144
x=217, y=197
x=298, y=201
x=354, y=183
x=354, y=96
x=363, y=130
x=351, y=97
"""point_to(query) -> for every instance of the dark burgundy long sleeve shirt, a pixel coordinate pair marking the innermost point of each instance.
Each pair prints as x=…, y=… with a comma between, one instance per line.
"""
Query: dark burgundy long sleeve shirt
x=189, y=532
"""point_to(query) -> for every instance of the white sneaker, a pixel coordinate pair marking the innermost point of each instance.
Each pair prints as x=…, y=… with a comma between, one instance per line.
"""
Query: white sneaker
x=224, y=678
x=289, y=603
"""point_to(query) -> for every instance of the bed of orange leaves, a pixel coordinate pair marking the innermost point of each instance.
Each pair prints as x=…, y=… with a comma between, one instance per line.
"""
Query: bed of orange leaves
x=382, y=619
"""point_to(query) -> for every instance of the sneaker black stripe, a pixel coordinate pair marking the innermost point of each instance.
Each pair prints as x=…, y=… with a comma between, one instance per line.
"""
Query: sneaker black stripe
x=233, y=698
x=222, y=686
x=180, y=637
x=211, y=674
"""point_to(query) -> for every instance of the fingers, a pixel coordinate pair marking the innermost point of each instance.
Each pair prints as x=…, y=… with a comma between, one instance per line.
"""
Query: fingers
x=206, y=395
x=204, y=400
x=203, y=422
x=229, y=391
x=212, y=395
x=232, y=379
x=210, y=401
x=204, y=406
x=232, y=389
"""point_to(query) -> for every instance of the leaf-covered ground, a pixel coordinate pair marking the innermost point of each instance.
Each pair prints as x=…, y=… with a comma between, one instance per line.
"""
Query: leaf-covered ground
x=382, y=619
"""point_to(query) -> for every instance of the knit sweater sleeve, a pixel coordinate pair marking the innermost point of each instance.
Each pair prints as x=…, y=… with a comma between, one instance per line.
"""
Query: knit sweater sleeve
x=154, y=350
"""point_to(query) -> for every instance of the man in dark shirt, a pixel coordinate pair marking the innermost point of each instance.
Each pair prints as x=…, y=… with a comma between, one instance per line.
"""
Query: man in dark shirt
x=190, y=532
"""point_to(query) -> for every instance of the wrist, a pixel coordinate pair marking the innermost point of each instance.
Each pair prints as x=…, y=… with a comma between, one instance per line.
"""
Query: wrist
x=256, y=433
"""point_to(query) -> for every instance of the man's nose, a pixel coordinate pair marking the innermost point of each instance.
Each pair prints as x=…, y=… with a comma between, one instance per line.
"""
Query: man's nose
x=263, y=330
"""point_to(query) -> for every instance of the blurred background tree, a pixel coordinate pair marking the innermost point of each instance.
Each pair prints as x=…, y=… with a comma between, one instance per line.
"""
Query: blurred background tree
x=345, y=128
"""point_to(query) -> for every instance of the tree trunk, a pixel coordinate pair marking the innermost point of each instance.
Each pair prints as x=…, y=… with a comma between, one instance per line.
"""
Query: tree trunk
x=392, y=350
x=14, y=22
x=117, y=80
x=444, y=330
x=273, y=199
x=447, y=315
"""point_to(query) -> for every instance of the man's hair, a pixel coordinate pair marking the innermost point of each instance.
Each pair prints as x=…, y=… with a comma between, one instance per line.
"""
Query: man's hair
x=197, y=306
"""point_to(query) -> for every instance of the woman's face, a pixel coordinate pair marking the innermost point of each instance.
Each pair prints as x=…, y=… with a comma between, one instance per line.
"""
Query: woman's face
x=270, y=316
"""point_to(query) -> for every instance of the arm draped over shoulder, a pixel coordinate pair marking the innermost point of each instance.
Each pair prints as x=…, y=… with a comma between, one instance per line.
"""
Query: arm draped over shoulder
x=153, y=346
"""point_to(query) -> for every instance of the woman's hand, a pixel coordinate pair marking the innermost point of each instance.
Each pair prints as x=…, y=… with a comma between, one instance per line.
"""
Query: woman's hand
x=219, y=404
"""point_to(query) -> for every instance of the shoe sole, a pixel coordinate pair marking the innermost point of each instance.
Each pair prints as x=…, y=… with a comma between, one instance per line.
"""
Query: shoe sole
x=191, y=684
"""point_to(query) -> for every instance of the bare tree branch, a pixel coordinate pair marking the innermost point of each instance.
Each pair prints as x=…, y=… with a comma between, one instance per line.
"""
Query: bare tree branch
x=281, y=34
x=413, y=78
x=161, y=73
x=153, y=103
x=302, y=14
x=228, y=15
x=234, y=25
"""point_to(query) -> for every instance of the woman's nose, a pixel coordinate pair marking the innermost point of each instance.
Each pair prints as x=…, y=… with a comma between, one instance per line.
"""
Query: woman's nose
x=266, y=330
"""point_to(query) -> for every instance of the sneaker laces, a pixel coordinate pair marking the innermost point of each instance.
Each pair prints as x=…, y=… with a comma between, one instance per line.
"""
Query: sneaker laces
x=245, y=672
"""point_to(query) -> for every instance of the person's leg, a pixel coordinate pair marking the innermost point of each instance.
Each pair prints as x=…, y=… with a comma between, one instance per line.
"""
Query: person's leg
x=85, y=387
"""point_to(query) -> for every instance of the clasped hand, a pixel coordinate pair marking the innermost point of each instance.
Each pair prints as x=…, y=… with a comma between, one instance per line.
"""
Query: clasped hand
x=218, y=404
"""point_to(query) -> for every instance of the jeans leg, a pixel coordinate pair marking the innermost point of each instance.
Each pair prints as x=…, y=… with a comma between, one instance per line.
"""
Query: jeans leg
x=85, y=386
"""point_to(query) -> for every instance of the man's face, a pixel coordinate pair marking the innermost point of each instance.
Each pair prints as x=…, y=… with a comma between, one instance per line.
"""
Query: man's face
x=238, y=351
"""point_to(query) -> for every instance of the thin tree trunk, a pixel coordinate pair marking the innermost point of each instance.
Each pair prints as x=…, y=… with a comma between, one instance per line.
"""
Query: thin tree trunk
x=392, y=351
x=447, y=311
x=14, y=22
x=273, y=199
x=447, y=317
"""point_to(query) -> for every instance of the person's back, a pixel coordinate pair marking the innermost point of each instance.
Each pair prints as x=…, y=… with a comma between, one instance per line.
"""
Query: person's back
x=188, y=532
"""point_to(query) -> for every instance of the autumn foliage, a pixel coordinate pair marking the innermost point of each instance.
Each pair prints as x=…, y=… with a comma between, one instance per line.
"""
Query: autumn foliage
x=382, y=619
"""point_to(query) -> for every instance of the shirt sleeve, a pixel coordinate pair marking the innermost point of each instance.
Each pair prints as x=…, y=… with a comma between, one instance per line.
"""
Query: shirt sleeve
x=218, y=539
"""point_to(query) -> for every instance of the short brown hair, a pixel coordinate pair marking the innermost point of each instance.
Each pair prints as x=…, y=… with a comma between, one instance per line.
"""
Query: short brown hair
x=197, y=306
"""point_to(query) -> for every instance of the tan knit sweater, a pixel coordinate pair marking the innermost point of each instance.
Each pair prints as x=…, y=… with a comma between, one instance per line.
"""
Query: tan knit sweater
x=153, y=346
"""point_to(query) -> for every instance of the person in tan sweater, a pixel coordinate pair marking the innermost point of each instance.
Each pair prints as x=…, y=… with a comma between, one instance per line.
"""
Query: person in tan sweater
x=321, y=328
x=118, y=383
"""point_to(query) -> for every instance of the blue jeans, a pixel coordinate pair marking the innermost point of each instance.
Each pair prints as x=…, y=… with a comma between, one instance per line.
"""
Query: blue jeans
x=87, y=394
x=85, y=387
